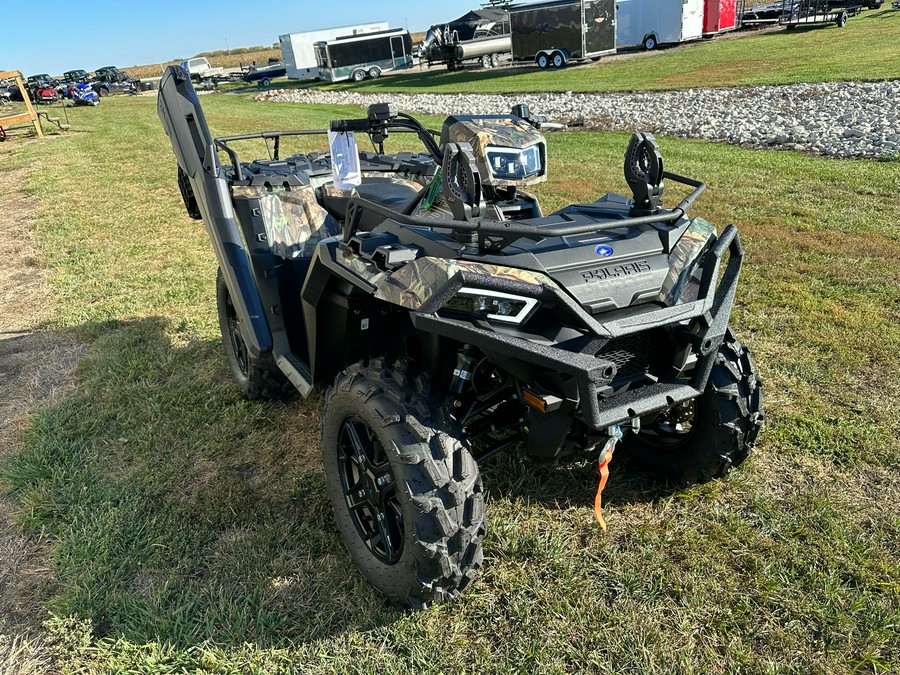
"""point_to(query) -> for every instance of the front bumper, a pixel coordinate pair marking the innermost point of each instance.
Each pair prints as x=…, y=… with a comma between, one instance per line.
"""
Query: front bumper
x=701, y=324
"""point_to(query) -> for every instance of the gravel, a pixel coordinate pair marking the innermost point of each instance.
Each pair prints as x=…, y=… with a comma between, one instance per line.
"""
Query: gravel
x=838, y=119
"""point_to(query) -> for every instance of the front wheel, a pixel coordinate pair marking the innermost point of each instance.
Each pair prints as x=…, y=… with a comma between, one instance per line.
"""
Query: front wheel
x=407, y=495
x=256, y=377
x=486, y=61
x=358, y=75
x=650, y=42
x=543, y=61
x=708, y=436
x=842, y=19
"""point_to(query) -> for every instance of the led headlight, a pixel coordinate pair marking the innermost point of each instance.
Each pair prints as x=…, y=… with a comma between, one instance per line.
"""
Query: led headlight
x=514, y=163
x=492, y=305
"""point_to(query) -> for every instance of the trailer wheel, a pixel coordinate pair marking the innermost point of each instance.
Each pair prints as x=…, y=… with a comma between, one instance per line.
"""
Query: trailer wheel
x=265, y=82
x=495, y=60
x=842, y=19
x=486, y=61
x=374, y=73
x=542, y=61
x=358, y=75
x=650, y=42
x=558, y=60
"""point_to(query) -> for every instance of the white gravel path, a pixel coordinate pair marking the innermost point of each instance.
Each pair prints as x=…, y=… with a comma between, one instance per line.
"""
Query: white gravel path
x=840, y=119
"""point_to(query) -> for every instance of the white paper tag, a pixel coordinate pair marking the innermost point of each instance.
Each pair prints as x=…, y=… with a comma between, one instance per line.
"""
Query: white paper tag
x=344, y=159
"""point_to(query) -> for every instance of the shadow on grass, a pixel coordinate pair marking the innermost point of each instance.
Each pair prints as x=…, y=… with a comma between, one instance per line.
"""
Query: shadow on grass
x=181, y=513
x=570, y=484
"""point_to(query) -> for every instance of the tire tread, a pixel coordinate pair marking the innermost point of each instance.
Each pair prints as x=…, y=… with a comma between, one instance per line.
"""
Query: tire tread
x=450, y=527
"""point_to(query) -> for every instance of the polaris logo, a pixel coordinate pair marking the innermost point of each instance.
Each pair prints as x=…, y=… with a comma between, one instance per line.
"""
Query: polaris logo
x=604, y=251
x=616, y=271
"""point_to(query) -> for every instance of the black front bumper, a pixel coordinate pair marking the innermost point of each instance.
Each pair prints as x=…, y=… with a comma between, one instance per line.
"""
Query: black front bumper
x=702, y=324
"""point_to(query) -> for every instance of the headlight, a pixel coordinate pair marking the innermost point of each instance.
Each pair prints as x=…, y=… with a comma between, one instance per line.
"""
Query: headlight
x=514, y=163
x=492, y=305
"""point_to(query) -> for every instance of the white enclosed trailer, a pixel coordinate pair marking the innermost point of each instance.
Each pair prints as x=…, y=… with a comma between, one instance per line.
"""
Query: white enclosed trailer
x=649, y=23
x=297, y=48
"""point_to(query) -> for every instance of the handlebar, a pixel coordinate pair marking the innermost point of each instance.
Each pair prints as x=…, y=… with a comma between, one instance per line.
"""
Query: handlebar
x=350, y=125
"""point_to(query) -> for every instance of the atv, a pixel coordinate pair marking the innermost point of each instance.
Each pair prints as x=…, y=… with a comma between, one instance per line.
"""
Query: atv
x=450, y=319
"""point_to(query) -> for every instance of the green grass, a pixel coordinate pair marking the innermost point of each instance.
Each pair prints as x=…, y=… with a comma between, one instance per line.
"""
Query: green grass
x=191, y=532
x=867, y=48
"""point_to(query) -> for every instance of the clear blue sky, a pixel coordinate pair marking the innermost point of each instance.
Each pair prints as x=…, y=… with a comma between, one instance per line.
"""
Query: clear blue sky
x=52, y=36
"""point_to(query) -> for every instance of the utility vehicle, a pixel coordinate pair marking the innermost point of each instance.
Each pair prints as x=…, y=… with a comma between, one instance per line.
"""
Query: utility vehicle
x=450, y=318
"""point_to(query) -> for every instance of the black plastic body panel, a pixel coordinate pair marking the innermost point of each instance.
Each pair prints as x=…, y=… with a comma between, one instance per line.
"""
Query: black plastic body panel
x=185, y=124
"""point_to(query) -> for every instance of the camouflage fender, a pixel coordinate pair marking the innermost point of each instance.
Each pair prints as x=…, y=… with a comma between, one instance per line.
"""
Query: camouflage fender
x=294, y=220
x=361, y=267
x=683, y=260
x=417, y=282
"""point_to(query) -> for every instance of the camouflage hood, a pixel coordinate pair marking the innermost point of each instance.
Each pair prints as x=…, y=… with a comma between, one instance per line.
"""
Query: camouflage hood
x=498, y=133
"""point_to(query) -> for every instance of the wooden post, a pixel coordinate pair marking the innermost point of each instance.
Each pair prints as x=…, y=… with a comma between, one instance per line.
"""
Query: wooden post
x=31, y=115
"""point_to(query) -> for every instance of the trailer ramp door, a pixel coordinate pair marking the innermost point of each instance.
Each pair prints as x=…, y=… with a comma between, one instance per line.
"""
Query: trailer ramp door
x=599, y=27
x=398, y=51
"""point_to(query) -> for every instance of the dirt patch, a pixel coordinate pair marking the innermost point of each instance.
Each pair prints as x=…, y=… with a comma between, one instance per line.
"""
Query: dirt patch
x=727, y=74
x=35, y=368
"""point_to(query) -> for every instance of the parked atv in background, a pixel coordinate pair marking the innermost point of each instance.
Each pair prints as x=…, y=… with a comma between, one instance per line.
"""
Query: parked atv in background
x=83, y=94
x=76, y=76
x=451, y=318
x=43, y=88
x=113, y=83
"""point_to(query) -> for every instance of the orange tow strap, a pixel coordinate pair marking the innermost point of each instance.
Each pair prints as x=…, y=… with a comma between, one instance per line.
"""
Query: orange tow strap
x=605, y=458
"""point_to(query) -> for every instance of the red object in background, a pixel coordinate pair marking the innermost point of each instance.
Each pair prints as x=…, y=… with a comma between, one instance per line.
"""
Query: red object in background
x=719, y=16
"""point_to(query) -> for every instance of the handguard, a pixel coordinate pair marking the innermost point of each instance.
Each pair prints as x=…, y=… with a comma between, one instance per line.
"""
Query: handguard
x=462, y=182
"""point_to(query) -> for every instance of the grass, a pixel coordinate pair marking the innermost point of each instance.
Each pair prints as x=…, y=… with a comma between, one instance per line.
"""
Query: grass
x=866, y=49
x=191, y=532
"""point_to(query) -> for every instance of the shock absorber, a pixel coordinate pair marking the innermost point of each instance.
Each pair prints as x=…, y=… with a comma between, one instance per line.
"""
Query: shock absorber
x=466, y=360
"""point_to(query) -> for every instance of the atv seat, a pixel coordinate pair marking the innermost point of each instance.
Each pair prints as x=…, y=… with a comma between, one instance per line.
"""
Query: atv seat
x=396, y=193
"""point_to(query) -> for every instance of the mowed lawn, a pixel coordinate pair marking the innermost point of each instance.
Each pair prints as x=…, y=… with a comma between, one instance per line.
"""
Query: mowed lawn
x=189, y=531
x=867, y=48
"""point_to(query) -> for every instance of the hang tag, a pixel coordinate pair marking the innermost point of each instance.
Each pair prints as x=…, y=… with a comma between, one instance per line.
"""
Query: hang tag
x=344, y=159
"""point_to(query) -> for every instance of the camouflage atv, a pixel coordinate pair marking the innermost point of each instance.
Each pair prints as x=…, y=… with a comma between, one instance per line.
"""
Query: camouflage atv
x=450, y=318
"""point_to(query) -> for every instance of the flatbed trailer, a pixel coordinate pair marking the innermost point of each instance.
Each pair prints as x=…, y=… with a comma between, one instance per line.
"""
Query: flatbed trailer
x=809, y=12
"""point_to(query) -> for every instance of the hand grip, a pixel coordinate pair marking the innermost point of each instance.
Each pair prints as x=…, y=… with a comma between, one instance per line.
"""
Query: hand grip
x=349, y=125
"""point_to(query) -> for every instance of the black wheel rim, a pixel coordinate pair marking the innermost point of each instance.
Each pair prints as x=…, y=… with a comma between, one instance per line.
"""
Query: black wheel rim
x=370, y=492
x=234, y=336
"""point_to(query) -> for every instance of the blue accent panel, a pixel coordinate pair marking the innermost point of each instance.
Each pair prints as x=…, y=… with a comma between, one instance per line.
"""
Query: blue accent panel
x=240, y=265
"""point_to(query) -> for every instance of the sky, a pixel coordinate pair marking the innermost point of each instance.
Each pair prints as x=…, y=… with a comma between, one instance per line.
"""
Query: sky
x=73, y=34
